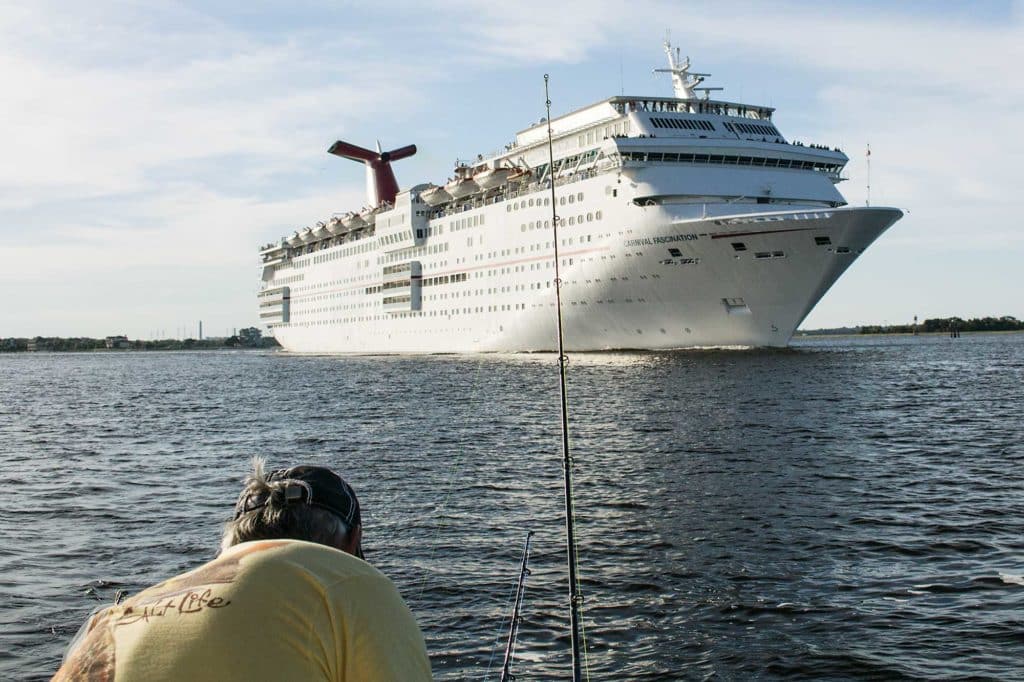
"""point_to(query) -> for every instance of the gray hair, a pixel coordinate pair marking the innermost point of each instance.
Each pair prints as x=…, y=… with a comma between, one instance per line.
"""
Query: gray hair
x=277, y=519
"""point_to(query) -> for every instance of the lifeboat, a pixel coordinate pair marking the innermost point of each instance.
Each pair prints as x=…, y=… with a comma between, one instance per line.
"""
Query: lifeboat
x=334, y=225
x=353, y=221
x=435, y=195
x=519, y=175
x=294, y=240
x=369, y=215
x=321, y=231
x=307, y=236
x=489, y=178
x=462, y=184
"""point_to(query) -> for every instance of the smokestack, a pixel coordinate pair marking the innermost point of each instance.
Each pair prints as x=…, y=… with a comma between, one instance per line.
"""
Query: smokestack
x=381, y=185
x=200, y=330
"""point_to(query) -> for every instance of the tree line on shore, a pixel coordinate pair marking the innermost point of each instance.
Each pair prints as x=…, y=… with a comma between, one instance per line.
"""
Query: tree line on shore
x=245, y=338
x=1005, y=323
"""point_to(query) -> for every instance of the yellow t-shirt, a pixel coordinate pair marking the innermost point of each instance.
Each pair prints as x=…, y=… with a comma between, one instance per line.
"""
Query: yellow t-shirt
x=266, y=610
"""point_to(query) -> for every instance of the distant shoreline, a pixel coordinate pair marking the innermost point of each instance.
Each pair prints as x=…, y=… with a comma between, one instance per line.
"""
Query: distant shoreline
x=137, y=350
x=811, y=333
x=252, y=339
x=937, y=325
x=246, y=339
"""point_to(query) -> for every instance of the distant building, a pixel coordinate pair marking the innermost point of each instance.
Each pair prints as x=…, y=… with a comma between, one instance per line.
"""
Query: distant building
x=117, y=342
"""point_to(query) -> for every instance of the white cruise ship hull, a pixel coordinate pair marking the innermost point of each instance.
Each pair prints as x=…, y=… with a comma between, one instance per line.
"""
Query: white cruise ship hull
x=658, y=277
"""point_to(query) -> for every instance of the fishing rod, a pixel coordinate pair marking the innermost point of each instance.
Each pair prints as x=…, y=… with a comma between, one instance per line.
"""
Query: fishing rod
x=570, y=531
x=513, y=628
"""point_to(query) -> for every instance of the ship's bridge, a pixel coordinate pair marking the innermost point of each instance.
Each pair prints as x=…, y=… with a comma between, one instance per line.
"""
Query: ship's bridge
x=615, y=108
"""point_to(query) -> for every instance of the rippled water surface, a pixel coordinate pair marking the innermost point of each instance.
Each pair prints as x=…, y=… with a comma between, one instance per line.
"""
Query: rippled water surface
x=844, y=509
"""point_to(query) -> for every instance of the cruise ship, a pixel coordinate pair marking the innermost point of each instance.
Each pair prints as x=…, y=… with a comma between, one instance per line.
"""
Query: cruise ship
x=683, y=221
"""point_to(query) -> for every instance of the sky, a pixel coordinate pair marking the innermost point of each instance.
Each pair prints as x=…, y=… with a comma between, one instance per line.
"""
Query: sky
x=150, y=148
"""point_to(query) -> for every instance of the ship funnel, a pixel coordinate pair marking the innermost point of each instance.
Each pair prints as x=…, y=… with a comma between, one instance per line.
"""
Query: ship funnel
x=381, y=186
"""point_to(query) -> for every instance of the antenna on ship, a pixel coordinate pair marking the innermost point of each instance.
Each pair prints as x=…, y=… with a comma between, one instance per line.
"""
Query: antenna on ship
x=570, y=531
x=683, y=81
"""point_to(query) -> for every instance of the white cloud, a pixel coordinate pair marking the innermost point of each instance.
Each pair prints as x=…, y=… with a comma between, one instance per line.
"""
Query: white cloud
x=155, y=134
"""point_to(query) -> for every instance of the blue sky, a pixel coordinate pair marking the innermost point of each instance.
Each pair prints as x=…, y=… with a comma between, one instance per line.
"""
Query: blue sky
x=151, y=147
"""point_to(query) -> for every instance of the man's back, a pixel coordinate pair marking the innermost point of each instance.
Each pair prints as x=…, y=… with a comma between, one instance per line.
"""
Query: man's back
x=273, y=609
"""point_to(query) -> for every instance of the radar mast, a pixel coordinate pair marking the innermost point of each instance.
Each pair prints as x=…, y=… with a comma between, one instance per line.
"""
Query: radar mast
x=684, y=83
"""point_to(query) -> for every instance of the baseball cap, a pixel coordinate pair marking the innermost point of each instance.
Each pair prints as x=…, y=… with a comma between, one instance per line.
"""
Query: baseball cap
x=315, y=486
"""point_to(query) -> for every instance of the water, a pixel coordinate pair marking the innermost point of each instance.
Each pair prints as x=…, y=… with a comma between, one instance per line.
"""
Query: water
x=845, y=509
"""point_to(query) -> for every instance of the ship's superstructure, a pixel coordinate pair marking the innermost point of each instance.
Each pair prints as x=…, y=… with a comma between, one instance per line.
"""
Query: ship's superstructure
x=683, y=221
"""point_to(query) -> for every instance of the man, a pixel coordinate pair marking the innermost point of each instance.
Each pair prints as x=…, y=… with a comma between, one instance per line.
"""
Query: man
x=289, y=598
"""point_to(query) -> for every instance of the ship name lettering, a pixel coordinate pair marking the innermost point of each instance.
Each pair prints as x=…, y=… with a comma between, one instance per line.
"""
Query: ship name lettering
x=668, y=239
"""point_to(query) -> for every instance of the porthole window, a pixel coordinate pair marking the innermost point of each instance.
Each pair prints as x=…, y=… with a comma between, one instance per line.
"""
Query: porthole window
x=571, y=198
x=547, y=201
x=572, y=220
x=590, y=217
x=580, y=196
x=531, y=202
x=561, y=200
x=597, y=215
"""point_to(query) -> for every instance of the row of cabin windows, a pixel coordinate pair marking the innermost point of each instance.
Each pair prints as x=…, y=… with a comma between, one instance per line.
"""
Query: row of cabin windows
x=571, y=220
x=401, y=267
x=399, y=284
x=752, y=129
x=562, y=200
x=405, y=298
x=398, y=236
x=516, y=205
x=414, y=252
x=426, y=281
x=465, y=223
x=328, y=244
x=683, y=123
x=732, y=160
x=592, y=136
x=445, y=279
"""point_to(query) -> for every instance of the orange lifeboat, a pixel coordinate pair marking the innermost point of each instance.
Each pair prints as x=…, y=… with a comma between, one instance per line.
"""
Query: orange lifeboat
x=353, y=221
x=369, y=215
x=335, y=226
x=435, y=195
x=519, y=175
x=489, y=178
x=462, y=184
